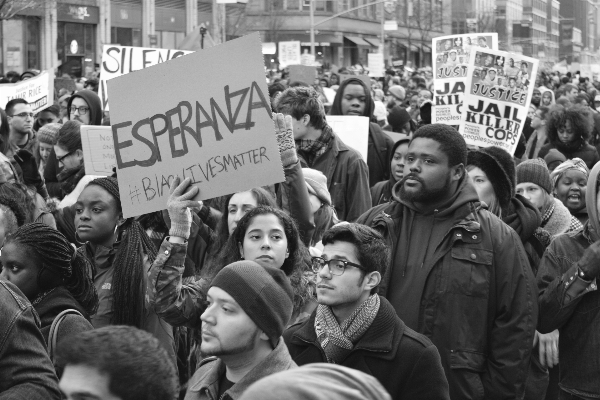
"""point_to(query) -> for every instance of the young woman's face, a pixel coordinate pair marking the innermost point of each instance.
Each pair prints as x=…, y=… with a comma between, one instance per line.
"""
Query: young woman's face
x=20, y=269
x=96, y=216
x=571, y=188
x=546, y=98
x=45, y=150
x=566, y=134
x=265, y=242
x=239, y=204
x=483, y=186
x=397, y=164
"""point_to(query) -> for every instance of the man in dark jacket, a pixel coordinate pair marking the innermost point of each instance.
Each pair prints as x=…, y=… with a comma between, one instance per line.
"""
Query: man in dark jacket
x=84, y=106
x=570, y=301
x=26, y=371
x=354, y=98
x=319, y=148
x=458, y=274
x=353, y=326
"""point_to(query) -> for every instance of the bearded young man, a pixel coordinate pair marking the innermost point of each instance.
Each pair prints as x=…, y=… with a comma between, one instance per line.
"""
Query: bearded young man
x=457, y=274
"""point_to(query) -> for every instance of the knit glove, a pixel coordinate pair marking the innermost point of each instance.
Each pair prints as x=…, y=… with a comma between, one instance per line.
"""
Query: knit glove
x=178, y=206
x=285, y=139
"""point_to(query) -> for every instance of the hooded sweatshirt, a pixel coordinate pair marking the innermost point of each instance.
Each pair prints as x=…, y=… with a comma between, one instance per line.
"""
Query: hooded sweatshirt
x=382, y=191
x=94, y=103
x=420, y=235
x=380, y=144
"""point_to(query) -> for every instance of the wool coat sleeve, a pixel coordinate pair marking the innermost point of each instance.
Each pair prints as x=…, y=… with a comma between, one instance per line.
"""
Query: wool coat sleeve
x=514, y=321
x=176, y=303
x=428, y=365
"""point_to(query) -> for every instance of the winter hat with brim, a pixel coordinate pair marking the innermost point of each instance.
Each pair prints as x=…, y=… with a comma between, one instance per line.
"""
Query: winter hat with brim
x=264, y=293
x=398, y=92
x=499, y=167
x=535, y=171
x=316, y=183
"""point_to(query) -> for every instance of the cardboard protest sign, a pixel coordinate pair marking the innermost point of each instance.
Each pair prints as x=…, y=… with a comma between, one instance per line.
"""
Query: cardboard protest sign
x=121, y=60
x=353, y=130
x=289, y=53
x=376, y=65
x=98, y=150
x=215, y=128
x=451, y=72
x=363, y=78
x=38, y=91
x=497, y=98
x=303, y=73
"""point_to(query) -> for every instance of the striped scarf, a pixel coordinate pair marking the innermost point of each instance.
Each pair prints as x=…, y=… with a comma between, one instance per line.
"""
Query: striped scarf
x=338, y=340
x=309, y=150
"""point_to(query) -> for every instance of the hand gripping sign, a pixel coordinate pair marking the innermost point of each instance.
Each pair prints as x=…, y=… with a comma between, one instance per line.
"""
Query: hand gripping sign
x=196, y=116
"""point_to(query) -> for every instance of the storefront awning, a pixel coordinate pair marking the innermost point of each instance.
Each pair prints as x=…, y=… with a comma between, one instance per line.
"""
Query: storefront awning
x=320, y=40
x=426, y=49
x=360, y=42
x=414, y=47
x=374, y=41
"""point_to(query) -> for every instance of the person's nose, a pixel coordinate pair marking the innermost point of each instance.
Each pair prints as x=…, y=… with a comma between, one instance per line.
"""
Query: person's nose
x=84, y=216
x=266, y=243
x=325, y=273
x=207, y=316
x=238, y=216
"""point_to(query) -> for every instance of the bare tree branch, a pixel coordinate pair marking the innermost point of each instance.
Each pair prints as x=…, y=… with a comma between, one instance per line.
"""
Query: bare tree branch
x=10, y=8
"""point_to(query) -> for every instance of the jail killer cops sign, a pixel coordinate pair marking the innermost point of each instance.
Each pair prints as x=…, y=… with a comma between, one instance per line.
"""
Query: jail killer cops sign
x=497, y=98
x=197, y=117
x=451, y=62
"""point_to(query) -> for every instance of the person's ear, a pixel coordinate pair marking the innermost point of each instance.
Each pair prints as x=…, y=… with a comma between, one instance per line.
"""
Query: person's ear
x=263, y=336
x=458, y=172
x=372, y=280
x=121, y=220
x=305, y=119
x=241, y=248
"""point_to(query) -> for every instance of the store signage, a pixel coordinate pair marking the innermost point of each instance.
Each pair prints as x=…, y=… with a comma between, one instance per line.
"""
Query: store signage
x=73, y=47
x=78, y=13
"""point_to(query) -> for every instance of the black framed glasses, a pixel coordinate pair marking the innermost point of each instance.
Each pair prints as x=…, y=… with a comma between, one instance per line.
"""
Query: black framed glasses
x=60, y=159
x=24, y=115
x=82, y=110
x=336, y=267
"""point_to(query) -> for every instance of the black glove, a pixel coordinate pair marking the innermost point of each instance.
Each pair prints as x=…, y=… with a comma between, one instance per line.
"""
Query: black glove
x=31, y=174
x=590, y=261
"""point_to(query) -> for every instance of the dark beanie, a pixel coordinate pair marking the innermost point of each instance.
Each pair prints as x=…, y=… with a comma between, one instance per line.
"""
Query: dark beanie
x=499, y=167
x=535, y=171
x=264, y=293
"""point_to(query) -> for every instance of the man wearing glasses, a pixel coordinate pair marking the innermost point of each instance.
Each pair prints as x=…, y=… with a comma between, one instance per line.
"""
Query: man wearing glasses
x=20, y=120
x=353, y=326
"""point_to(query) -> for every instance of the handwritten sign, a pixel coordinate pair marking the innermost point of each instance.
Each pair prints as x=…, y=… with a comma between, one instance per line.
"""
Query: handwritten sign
x=215, y=128
x=121, y=60
x=451, y=63
x=98, y=150
x=352, y=130
x=303, y=73
x=38, y=91
x=376, y=65
x=289, y=53
x=497, y=98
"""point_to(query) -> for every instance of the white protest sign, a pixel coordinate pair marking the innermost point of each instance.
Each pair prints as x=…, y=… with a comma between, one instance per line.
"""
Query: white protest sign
x=215, y=128
x=451, y=61
x=289, y=53
x=376, y=65
x=98, y=150
x=121, y=60
x=38, y=91
x=497, y=98
x=352, y=130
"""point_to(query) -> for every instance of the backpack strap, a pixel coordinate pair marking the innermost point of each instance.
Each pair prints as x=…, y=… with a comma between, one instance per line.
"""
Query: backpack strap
x=53, y=335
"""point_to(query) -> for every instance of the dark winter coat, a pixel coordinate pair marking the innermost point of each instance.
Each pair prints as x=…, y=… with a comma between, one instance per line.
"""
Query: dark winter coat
x=585, y=151
x=380, y=144
x=478, y=304
x=406, y=363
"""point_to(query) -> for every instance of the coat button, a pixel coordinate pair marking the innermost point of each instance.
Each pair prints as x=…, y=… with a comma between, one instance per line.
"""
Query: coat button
x=459, y=235
x=166, y=252
x=474, y=237
x=473, y=256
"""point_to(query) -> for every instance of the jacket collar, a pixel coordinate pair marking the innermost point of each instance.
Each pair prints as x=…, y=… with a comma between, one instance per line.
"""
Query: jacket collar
x=209, y=374
x=378, y=339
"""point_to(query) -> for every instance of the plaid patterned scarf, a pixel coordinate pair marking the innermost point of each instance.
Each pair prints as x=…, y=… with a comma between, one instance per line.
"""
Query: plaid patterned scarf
x=338, y=340
x=309, y=150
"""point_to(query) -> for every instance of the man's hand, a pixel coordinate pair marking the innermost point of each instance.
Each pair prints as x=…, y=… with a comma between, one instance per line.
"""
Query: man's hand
x=548, y=348
x=590, y=261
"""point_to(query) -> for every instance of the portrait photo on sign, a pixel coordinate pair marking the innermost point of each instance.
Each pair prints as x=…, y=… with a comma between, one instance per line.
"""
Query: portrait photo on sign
x=452, y=51
x=496, y=77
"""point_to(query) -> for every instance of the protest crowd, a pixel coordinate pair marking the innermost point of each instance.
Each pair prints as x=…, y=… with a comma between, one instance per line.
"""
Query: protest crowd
x=429, y=269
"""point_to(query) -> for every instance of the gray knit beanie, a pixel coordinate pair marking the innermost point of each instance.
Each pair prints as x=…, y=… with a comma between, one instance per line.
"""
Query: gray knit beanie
x=535, y=171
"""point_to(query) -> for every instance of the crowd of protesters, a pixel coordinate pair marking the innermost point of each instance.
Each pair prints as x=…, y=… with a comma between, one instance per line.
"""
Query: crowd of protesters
x=432, y=270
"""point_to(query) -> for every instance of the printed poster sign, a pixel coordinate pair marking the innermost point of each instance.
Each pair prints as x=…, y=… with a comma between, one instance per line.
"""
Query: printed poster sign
x=38, y=91
x=216, y=129
x=121, y=60
x=353, y=130
x=98, y=150
x=289, y=53
x=497, y=98
x=451, y=72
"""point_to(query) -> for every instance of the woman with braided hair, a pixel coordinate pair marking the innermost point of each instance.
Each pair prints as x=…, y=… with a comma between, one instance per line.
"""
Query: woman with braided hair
x=41, y=262
x=122, y=254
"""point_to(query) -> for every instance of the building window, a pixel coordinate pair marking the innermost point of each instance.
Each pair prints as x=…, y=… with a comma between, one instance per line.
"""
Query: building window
x=33, y=38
